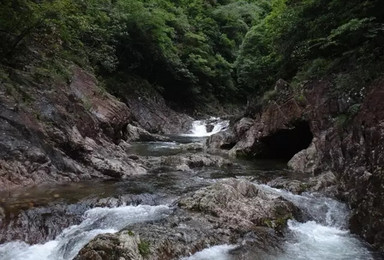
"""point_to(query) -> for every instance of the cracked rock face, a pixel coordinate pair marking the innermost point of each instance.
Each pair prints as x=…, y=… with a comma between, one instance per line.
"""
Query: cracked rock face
x=73, y=133
x=347, y=158
x=230, y=211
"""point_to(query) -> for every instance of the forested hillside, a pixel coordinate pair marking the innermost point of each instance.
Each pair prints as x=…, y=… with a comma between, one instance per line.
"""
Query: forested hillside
x=187, y=49
x=199, y=50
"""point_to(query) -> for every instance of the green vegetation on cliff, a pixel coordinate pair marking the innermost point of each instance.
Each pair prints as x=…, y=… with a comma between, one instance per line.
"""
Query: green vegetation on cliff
x=197, y=51
x=186, y=47
x=310, y=39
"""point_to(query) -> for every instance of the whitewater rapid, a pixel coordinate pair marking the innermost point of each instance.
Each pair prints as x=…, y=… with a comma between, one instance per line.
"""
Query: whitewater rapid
x=200, y=128
x=95, y=221
x=324, y=237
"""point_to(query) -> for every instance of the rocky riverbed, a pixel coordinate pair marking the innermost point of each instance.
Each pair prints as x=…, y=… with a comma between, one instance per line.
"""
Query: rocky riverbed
x=189, y=205
x=122, y=179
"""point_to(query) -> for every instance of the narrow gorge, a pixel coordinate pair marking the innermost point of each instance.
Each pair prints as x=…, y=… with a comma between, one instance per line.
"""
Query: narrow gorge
x=191, y=130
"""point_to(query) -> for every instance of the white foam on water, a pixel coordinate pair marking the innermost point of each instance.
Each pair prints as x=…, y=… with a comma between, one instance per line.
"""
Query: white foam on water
x=313, y=241
x=71, y=240
x=324, y=237
x=199, y=127
x=212, y=253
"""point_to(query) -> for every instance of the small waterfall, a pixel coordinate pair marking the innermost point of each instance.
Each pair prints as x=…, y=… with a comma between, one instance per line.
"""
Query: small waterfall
x=204, y=128
x=71, y=240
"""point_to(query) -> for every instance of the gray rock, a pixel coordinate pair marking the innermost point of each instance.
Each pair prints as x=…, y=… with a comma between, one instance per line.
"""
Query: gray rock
x=124, y=246
x=222, y=140
x=242, y=126
x=294, y=186
x=239, y=204
x=116, y=168
x=230, y=211
x=305, y=161
x=152, y=114
x=195, y=161
x=325, y=182
x=135, y=134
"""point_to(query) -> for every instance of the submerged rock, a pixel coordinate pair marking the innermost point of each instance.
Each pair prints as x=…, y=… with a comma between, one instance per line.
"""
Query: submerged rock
x=230, y=211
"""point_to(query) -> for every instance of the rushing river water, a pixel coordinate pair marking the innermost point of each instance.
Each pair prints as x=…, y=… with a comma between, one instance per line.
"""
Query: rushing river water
x=324, y=234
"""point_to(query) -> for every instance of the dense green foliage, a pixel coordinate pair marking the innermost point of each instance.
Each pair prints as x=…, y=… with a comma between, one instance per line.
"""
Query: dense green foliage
x=187, y=47
x=196, y=51
x=306, y=39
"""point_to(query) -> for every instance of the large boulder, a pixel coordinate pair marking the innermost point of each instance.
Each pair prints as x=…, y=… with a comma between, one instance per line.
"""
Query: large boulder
x=134, y=134
x=123, y=246
x=230, y=211
x=305, y=160
x=240, y=205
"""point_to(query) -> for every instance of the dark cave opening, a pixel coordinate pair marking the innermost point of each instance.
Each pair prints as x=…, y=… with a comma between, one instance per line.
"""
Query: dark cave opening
x=285, y=143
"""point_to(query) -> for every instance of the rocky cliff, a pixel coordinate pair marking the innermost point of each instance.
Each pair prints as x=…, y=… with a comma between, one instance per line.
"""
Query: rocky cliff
x=321, y=132
x=58, y=131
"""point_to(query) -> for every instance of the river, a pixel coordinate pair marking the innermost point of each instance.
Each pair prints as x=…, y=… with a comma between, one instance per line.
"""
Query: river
x=73, y=214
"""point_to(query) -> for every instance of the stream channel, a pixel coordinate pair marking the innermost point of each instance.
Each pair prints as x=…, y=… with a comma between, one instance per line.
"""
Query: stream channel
x=53, y=222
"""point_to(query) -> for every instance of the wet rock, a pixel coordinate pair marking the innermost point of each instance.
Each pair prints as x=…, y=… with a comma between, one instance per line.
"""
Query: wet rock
x=33, y=224
x=116, y=168
x=36, y=155
x=153, y=115
x=128, y=199
x=248, y=144
x=230, y=211
x=222, y=140
x=353, y=152
x=242, y=126
x=124, y=246
x=294, y=186
x=239, y=204
x=195, y=161
x=192, y=147
x=38, y=225
x=260, y=245
x=305, y=160
x=254, y=134
x=2, y=214
x=135, y=134
x=325, y=182
x=209, y=128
